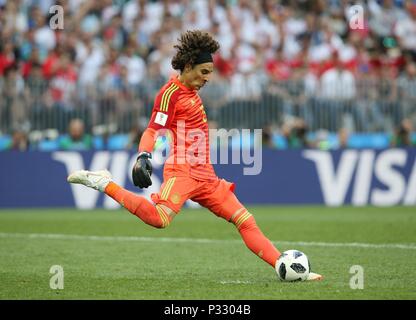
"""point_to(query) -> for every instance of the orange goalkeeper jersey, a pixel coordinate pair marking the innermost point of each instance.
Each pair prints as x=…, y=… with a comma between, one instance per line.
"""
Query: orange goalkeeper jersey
x=180, y=110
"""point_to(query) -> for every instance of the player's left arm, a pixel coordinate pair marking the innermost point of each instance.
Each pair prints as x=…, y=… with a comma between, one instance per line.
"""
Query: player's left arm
x=142, y=169
x=161, y=120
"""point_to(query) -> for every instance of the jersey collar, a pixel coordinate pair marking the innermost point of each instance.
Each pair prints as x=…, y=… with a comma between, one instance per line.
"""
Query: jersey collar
x=175, y=79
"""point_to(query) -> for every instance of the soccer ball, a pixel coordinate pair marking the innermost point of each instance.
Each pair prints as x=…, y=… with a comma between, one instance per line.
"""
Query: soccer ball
x=293, y=265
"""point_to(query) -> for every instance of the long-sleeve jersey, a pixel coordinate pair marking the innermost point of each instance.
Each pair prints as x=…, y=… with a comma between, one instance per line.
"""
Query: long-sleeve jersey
x=180, y=110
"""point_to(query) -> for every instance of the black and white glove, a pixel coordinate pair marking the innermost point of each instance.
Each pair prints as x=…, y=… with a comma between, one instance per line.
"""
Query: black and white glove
x=142, y=170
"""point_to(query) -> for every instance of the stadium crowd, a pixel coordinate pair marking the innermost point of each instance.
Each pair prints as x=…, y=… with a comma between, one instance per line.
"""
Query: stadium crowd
x=287, y=66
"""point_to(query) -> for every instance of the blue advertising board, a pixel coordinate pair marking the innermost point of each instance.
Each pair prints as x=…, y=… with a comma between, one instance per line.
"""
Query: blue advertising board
x=346, y=177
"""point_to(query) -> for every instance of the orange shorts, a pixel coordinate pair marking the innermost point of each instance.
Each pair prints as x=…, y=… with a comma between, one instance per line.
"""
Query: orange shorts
x=217, y=196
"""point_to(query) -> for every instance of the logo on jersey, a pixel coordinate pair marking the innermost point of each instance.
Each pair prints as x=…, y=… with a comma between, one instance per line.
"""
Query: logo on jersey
x=175, y=198
x=161, y=118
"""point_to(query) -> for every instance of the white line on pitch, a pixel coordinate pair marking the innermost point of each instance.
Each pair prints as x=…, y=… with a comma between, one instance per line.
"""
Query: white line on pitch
x=410, y=246
x=235, y=282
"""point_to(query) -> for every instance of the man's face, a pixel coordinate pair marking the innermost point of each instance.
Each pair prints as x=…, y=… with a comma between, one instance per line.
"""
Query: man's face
x=411, y=70
x=196, y=77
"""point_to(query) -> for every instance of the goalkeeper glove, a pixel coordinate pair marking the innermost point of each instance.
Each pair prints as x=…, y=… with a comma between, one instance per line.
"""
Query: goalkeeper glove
x=142, y=170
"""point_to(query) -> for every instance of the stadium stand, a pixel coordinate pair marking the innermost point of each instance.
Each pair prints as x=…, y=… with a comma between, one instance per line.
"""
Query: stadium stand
x=281, y=61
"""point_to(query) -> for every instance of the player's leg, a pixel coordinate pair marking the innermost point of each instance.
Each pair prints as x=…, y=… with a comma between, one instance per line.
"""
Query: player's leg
x=174, y=192
x=223, y=202
x=158, y=216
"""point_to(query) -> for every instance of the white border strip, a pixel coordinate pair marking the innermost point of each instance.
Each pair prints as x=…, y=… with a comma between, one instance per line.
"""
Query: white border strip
x=410, y=246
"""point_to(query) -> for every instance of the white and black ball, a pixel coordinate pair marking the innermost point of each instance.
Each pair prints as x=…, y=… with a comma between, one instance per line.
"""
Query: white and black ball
x=293, y=265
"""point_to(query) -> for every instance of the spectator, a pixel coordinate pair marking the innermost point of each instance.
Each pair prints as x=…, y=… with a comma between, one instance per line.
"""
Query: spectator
x=215, y=96
x=14, y=18
x=384, y=16
x=77, y=139
x=343, y=136
x=402, y=136
x=149, y=88
x=277, y=67
x=295, y=131
x=135, y=134
x=136, y=67
x=115, y=33
x=226, y=62
x=36, y=87
x=267, y=137
x=63, y=83
x=405, y=29
x=7, y=56
x=51, y=63
x=337, y=89
x=12, y=107
x=91, y=56
x=20, y=141
x=298, y=137
x=246, y=83
x=338, y=83
x=245, y=91
x=407, y=91
x=44, y=36
x=112, y=55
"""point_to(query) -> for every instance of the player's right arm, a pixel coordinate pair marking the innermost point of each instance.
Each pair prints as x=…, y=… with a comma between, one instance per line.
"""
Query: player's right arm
x=161, y=119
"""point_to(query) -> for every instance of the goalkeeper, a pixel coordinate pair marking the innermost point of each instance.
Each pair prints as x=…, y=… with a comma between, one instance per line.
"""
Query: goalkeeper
x=188, y=172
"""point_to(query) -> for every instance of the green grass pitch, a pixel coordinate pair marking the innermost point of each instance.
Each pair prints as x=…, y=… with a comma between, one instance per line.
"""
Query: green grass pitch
x=113, y=255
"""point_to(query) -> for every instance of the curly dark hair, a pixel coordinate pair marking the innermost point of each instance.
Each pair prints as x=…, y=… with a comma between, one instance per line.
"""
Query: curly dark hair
x=191, y=44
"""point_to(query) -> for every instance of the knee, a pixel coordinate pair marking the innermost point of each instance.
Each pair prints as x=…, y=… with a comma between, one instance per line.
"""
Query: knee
x=165, y=217
x=162, y=224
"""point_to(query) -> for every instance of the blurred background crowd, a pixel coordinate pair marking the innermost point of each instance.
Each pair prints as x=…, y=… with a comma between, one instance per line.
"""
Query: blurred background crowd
x=307, y=72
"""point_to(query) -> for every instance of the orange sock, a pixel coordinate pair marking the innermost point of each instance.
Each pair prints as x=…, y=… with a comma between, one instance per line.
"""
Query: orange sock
x=254, y=239
x=139, y=206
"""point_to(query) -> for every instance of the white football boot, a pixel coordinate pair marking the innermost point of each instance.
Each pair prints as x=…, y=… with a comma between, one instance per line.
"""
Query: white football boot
x=314, y=277
x=97, y=180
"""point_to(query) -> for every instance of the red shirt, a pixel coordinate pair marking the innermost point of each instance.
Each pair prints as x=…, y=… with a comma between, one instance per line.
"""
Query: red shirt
x=180, y=110
x=62, y=84
x=278, y=69
x=5, y=62
x=50, y=65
